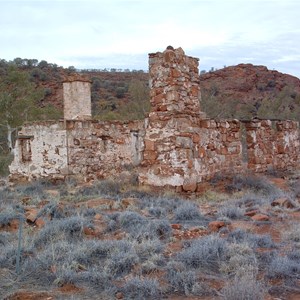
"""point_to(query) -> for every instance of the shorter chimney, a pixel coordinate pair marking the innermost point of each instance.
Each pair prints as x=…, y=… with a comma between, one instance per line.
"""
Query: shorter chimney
x=77, y=99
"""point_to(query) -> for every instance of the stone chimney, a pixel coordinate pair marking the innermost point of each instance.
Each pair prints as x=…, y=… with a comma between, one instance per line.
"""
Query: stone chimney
x=77, y=99
x=174, y=82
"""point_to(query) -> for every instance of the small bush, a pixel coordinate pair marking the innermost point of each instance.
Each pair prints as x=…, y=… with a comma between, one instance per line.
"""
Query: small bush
x=141, y=288
x=261, y=241
x=294, y=255
x=111, y=188
x=253, y=240
x=53, y=210
x=231, y=212
x=5, y=161
x=180, y=279
x=153, y=263
x=292, y=234
x=98, y=279
x=5, y=237
x=35, y=189
x=145, y=248
x=9, y=214
x=8, y=256
x=187, y=212
x=69, y=228
x=283, y=267
x=243, y=288
x=240, y=259
x=206, y=253
x=157, y=212
x=155, y=229
x=121, y=264
x=132, y=222
x=255, y=183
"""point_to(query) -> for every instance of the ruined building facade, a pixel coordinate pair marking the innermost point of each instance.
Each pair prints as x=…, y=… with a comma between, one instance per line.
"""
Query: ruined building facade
x=175, y=145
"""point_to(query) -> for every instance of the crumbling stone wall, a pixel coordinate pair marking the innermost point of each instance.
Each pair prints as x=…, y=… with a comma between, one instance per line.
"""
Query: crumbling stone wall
x=176, y=145
x=272, y=145
x=91, y=149
x=46, y=149
x=98, y=150
x=183, y=147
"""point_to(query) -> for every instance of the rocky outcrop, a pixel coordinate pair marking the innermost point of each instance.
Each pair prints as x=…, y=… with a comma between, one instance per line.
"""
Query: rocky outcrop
x=246, y=83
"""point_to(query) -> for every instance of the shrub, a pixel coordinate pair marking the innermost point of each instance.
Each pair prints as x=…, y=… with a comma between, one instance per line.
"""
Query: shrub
x=157, y=212
x=9, y=214
x=283, y=267
x=187, y=212
x=7, y=196
x=260, y=241
x=160, y=228
x=256, y=183
x=98, y=279
x=5, y=161
x=35, y=189
x=8, y=256
x=253, y=240
x=206, y=253
x=107, y=187
x=240, y=259
x=292, y=234
x=5, y=237
x=180, y=279
x=294, y=255
x=69, y=228
x=121, y=263
x=243, y=288
x=231, y=212
x=141, y=288
x=152, y=264
x=145, y=248
x=53, y=210
x=132, y=222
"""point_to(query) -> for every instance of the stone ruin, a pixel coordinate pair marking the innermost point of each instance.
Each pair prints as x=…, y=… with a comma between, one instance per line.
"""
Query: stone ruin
x=176, y=145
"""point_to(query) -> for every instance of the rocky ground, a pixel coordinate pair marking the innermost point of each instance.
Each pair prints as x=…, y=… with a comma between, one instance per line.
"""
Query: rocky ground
x=237, y=238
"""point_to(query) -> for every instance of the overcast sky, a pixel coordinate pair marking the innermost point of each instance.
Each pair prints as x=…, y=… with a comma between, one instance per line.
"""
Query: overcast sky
x=121, y=33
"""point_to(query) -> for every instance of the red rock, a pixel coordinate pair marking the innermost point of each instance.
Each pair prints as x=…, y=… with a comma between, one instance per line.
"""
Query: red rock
x=119, y=295
x=190, y=186
x=251, y=213
x=126, y=202
x=40, y=222
x=98, y=217
x=149, y=145
x=260, y=217
x=14, y=224
x=176, y=226
x=31, y=214
x=88, y=231
x=216, y=225
x=283, y=202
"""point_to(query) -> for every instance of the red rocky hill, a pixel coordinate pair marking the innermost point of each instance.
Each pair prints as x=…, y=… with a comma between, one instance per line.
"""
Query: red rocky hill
x=249, y=90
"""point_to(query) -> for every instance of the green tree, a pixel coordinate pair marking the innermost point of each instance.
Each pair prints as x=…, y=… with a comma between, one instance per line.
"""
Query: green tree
x=140, y=98
x=19, y=102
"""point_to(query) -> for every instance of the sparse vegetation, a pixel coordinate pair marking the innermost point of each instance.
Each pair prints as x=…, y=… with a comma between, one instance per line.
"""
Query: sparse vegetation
x=144, y=245
x=244, y=288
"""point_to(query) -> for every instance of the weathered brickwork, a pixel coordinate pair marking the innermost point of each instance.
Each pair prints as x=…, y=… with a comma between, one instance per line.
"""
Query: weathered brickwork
x=92, y=149
x=174, y=82
x=77, y=99
x=102, y=149
x=272, y=145
x=48, y=151
x=176, y=145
